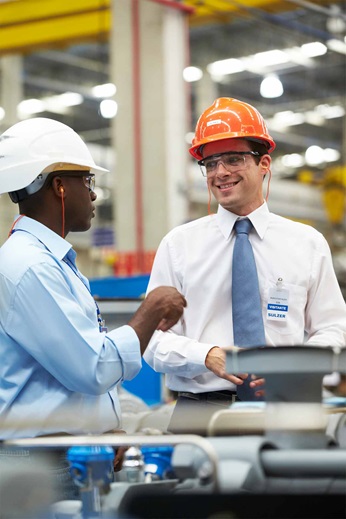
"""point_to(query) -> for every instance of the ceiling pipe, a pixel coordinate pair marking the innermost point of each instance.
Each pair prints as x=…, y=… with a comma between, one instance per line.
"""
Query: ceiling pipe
x=275, y=19
x=313, y=7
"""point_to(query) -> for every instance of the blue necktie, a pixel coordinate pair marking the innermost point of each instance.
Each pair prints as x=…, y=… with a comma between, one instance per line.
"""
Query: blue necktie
x=248, y=329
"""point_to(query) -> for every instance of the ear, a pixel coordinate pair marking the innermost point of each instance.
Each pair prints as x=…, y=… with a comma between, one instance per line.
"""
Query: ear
x=58, y=187
x=264, y=164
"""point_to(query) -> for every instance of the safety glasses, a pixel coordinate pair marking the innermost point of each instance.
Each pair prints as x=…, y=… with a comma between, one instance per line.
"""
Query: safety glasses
x=89, y=180
x=231, y=161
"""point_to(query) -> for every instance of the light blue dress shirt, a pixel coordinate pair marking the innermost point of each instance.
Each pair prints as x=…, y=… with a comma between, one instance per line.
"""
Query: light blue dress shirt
x=58, y=372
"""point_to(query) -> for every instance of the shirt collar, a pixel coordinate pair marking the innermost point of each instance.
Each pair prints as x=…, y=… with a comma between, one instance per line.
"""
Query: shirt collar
x=259, y=219
x=54, y=243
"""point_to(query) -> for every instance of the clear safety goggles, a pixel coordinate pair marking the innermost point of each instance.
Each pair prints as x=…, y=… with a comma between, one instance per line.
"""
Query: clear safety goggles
x=232, y=161
x=89, y=180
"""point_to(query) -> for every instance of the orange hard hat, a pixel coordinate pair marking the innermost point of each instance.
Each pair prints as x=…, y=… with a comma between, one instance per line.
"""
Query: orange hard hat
x=229, y=118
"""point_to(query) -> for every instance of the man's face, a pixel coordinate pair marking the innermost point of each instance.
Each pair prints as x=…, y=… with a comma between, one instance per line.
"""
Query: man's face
x=79, y=202
x=238, y=190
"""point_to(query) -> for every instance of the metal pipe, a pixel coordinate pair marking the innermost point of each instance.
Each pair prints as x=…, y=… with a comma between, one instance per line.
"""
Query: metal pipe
x=304, y=463
x=115, y=440
x=317, y=8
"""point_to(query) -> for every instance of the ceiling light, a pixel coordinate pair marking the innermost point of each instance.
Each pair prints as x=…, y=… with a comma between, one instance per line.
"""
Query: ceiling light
x=271, y=87
x=105, y=90
x=293, y=160
x=271, y=57
x=70, y=99
x=313, y=49
x=30, y=107
x=336, y=46
x=330, y=112
x=288, y=118
x=331, y=155
x=225, y=66
x=191, y=74
x=297, y=56
x=314, y=156
x=108, y=108
x=314, y=118
x=2, y=113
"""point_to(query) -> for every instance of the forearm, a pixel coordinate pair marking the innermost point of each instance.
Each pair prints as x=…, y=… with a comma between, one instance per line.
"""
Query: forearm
x=169, y=352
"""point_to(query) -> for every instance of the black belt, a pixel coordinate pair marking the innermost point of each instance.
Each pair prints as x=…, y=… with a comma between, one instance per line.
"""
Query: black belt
x=212, y=396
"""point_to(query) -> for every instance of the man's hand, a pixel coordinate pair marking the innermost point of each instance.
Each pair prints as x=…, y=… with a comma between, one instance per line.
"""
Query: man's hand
x=160, y=310
x=216, y=362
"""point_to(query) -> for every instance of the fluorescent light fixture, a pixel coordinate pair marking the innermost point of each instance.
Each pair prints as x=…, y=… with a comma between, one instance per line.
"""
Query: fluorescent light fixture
x=108, y=108
x=225, y=66
x=271, y=57
x=271, y=87
x=105, y=90
x=61, y=103
x=70, y=99
x=331, y=155
x=314, y=118
x=287, y=118
x=337, y=46
x=313, y=49
x=2, y=113
x=292, y=160
x=30, y=107
x=314, y=156
x=330, y=112
x=191, y=74
x=297, y=56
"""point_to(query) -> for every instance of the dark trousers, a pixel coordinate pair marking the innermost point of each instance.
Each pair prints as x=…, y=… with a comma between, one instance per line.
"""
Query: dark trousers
x=193, y=411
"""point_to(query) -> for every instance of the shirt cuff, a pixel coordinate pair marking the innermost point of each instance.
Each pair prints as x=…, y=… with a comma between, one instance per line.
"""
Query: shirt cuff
x=128, y=347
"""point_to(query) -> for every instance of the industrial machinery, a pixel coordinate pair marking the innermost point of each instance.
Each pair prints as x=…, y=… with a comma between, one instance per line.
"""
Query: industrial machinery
x=275, y=459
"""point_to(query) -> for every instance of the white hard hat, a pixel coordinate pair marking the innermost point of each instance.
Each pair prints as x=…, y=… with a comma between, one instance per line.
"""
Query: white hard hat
x=35, y=146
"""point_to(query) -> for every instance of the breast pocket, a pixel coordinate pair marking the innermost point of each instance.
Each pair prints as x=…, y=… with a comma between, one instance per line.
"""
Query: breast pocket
x=293, y=322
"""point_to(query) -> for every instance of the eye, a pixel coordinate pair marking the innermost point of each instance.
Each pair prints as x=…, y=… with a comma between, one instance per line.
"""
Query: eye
x=233, y=160
x=211, y=164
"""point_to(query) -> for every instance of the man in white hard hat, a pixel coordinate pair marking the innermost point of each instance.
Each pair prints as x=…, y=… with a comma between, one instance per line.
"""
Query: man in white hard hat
x=60, y=367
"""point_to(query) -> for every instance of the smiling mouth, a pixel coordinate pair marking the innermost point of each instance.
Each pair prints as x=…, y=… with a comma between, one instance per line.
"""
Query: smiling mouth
x=228, y=185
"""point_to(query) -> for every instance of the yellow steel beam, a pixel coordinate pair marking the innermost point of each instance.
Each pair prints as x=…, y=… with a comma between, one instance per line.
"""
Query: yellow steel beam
x=212, y=10
x=27, y=25
x=23, y=11
x=33, y=24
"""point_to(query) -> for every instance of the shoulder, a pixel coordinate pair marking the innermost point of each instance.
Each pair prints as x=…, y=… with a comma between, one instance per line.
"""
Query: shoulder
x=20, y=253
x=192, y=228
x=297, y=231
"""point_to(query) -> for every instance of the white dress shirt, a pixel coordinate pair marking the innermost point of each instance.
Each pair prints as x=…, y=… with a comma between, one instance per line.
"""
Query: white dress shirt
x=58, y=371
x=196, y=258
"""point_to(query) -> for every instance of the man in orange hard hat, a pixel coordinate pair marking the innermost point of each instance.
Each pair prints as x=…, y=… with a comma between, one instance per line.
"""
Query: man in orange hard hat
x=233, y=146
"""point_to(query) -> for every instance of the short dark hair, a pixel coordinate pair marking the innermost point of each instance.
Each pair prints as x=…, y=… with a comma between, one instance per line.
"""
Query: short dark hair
x=259, y=147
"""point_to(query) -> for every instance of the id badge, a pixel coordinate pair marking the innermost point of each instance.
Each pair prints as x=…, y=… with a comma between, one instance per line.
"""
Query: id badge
x=277, y=307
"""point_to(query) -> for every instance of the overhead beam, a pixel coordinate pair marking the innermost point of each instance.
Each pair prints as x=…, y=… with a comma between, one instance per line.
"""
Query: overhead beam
x=28, y=25
x=36, y=24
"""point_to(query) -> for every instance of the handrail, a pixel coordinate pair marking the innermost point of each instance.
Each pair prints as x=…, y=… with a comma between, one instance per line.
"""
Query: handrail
x=116, y=440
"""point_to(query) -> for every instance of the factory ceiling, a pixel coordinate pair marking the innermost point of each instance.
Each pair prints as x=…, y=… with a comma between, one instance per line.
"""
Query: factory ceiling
x=65, y=48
